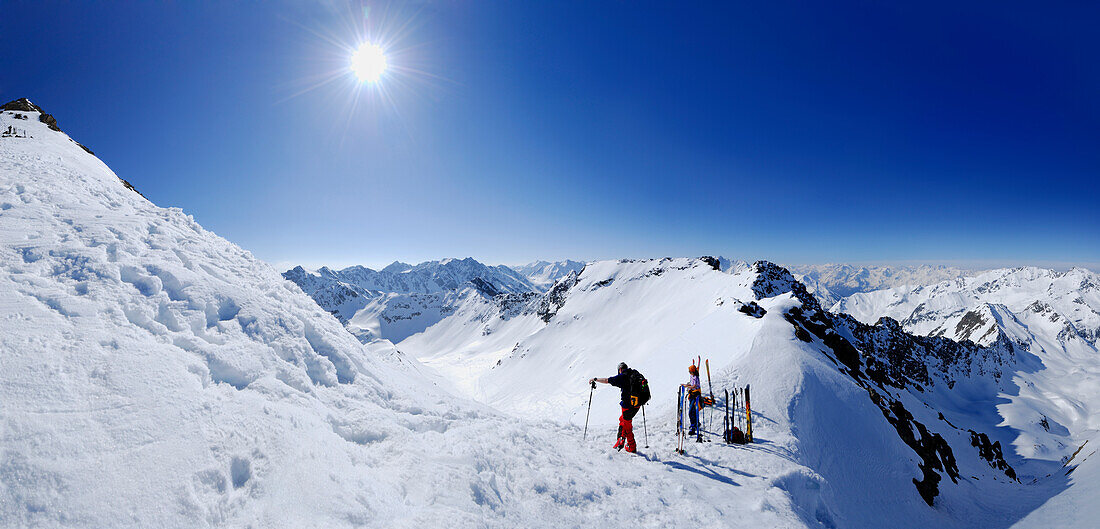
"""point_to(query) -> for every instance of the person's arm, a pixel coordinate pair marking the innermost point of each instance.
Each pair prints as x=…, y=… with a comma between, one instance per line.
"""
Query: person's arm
x=600, y=380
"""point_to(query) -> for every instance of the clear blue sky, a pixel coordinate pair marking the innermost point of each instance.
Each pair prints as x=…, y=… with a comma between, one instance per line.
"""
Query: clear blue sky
x=797, y=132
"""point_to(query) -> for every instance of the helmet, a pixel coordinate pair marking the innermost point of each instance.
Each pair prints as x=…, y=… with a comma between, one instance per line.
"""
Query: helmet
x=693, y=369
x=622, y=366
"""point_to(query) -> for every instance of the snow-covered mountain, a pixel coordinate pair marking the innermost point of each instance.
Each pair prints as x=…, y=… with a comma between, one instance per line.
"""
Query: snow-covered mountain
x=1054, y=316
x=908, y=421
x=832, y=282
x=1061, y=306
x=543, y=274
x=432, y=277
x=153, y=374
x=401, y=300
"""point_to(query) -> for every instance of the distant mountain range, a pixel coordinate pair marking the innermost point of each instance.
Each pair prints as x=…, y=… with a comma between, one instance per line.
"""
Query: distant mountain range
x=1054, y=316
x=402, y=299
x=543, y=274
x=832, y=282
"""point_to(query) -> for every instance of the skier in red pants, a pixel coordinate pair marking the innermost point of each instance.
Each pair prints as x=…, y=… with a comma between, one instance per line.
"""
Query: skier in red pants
x=628, y=404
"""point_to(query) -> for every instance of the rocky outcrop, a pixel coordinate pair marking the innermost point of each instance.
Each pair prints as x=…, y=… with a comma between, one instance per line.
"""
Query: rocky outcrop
x=773, y=280
x=555, y=297
x=884, y=360
x=50, y=121
x=21, y=105
x=25, y=105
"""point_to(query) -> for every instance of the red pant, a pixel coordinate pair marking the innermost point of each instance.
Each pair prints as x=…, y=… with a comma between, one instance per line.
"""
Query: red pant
x=626, y=429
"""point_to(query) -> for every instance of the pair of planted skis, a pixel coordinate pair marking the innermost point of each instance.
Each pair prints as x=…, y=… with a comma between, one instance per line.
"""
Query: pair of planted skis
x=738, y=427
x=681, y=433
x=683, y=407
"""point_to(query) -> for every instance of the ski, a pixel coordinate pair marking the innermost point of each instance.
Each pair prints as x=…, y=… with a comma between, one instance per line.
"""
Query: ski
x=748, y=416
x=680, y=422
x=738, y=401
x=726, y=419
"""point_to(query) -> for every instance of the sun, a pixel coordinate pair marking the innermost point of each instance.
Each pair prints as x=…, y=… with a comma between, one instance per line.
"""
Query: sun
x=369, y=62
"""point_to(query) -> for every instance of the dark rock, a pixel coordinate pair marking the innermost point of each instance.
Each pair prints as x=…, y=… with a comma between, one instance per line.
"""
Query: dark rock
x=25, y=105
x=773, y=280
x=21, y=105
x=125, y=184
x=712, y=261
x=49, y=120
x=89, y=151
x=486, y=288
x=801, y=334
x=555, y=297
x=752, y=309
x=991, y=452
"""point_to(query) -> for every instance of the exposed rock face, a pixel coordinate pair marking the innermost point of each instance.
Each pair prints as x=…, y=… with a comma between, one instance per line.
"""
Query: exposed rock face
x=774, y=280
x=752, y=309
x=555, y=297
x=21, y=105
x=50, y=121
x=125, y=184
x=25, y=105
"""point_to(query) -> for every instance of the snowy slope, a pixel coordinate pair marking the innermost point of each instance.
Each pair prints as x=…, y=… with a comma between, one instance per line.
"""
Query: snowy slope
x=900, y=419
x=401, y=299
x=153, y=374
x=832, y=282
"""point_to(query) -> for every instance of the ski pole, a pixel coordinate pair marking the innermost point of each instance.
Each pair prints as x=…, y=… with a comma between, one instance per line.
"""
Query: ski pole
x=644, y=428
x=589, y=409
x=709, y=385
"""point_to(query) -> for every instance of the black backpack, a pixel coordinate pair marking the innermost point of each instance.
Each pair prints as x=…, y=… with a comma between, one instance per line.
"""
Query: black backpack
x=639, y=389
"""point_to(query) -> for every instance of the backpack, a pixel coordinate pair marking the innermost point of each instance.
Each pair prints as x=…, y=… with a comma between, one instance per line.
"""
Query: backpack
x=735, y=436
x=639, y=389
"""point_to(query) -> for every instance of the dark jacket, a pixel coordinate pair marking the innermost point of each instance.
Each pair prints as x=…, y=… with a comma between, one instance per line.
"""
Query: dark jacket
x=622, y=381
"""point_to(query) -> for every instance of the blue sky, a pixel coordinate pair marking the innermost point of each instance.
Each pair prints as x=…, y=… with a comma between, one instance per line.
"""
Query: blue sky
x=837, y=132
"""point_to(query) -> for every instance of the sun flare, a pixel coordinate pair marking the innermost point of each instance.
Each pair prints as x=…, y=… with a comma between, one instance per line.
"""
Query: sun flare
x=369, y=62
